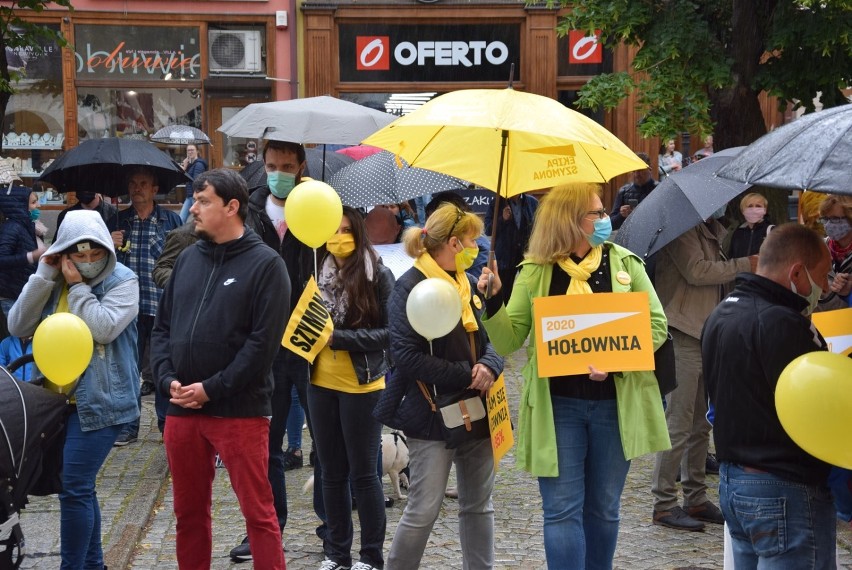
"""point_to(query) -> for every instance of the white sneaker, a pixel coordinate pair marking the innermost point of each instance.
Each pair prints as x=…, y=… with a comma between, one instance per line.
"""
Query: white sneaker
x=363, y=566
x=332, y=565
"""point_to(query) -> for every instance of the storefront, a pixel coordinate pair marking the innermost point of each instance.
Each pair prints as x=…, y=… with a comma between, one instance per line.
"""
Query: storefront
x=394, y=57
x=130, y=81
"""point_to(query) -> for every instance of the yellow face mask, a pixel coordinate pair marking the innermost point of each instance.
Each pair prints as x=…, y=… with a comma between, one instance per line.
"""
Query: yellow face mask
x=341, y=245
x=465, y=258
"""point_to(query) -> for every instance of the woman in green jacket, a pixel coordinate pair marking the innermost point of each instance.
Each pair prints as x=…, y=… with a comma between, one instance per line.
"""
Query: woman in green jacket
x=578, y=433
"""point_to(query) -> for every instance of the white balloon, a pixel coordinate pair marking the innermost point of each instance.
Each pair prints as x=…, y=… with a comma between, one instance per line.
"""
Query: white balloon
x=433, y=308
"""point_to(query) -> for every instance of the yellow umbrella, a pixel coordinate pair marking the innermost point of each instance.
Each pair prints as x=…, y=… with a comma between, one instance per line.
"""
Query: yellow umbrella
x=507, y=141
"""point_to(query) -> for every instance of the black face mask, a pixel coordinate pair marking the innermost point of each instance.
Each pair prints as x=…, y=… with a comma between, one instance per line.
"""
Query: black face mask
x=86, y=197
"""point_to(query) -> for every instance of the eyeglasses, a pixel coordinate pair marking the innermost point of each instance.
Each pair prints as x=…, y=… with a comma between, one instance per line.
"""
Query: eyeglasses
x=601, y=214
x=824, y=221
x=459, y=216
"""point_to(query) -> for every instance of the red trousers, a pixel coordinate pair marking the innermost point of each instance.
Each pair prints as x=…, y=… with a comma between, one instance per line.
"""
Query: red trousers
x=242, y=443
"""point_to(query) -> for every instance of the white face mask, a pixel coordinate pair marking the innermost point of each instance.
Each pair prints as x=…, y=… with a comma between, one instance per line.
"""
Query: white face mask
x=90, y=270
x=812, y=298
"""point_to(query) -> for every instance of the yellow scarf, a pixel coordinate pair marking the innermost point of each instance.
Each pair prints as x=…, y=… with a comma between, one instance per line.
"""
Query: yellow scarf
x=62, y=304
x=428, y=267
x=581, y=272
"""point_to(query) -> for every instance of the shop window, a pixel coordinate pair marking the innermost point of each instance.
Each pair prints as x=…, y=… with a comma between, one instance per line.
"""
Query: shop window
x=393, y=103
x=568, y=97
x=33, y=128
x=134, y=113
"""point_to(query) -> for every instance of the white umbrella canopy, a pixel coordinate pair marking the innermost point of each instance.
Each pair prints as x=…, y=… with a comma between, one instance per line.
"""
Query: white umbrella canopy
x=313, y=120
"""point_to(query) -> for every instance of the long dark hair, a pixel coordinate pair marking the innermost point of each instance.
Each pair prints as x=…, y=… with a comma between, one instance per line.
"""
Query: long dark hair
x=364, y=310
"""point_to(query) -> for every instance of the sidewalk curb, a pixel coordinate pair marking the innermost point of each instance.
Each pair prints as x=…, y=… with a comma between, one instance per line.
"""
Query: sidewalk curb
x=129, y=526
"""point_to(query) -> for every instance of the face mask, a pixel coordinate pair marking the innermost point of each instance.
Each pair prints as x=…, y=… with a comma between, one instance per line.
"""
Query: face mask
x=35, y=214
x=85, y=197
x=341, y=245
x=466, y=257
x=90, y=270
x=837, y=230
x=754, y=215
x=603, y=229
x=812, y=298
x=280, y=183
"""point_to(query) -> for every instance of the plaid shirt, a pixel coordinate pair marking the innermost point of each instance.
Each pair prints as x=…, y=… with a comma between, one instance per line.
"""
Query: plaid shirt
x=146, y=244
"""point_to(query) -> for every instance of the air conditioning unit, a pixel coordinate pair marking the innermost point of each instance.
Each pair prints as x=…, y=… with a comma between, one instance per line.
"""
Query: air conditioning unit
x=235, y=51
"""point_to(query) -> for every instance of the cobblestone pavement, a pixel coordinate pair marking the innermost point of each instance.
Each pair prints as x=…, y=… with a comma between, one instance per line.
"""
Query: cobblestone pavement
x=139, y=526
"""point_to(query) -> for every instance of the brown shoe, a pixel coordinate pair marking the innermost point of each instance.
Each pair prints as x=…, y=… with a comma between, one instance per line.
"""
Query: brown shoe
x=677, y=519
x=707, y=512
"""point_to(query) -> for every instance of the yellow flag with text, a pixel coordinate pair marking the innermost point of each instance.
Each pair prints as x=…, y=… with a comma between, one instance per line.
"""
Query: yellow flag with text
x=310, y=325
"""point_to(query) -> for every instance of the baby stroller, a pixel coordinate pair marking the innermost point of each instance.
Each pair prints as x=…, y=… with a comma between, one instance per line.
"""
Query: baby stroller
x=32, y=435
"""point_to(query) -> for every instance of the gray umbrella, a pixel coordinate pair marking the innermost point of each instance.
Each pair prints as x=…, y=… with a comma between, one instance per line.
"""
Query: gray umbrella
x=255, y=173
x=180, y=134
x=810, y=153
x=680, y=202
x=379, y=179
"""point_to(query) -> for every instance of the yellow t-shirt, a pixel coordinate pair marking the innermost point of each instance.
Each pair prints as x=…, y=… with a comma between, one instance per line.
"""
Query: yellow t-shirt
x=333, y=370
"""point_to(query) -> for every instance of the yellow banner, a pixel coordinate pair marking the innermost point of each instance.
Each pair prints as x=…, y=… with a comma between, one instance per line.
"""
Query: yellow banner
x=499, y=420
x=836, y=328
x=610, y=331
x=310, y=325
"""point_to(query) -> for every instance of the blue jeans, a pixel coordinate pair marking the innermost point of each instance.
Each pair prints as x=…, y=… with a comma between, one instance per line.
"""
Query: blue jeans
x=80, y=515
x=295, y=421
x=347, y=442
x=184, y=210
x=777, y=524
x=581, y=505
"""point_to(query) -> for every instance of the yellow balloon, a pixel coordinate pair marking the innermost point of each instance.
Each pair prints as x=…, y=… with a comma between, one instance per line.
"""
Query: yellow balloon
x=813, y=398
x=62, y=349
x=313, y=212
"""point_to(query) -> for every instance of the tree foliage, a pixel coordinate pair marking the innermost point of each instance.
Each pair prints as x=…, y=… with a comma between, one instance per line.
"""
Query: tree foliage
x=700, y=61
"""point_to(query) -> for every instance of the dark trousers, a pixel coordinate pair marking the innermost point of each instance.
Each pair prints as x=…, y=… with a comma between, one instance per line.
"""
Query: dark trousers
x=288, y=370
x=347, y=442
x=144, y=327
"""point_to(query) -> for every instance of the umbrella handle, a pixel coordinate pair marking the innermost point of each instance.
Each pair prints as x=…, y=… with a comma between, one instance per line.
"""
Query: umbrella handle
x=489, y=265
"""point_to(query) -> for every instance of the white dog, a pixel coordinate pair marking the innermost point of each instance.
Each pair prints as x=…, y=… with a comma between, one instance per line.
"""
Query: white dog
x=394, y=463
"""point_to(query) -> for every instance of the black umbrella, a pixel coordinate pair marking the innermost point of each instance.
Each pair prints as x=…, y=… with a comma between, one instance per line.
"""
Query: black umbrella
x=255, y=172
x=811, y=153
x=101, y=165
x=380, y=179
x=180, y=134
x=680, y=202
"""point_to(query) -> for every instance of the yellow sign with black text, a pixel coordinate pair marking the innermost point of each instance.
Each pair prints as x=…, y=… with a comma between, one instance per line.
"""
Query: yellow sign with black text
x=836, y=328
x=499, y=420
x=610, y=331
x=310, y=325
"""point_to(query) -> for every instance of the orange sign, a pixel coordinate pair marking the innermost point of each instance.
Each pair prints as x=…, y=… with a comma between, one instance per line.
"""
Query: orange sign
x=836, y=328
x=610, y=331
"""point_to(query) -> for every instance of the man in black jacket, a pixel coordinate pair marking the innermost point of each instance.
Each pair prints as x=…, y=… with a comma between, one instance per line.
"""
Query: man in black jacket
x=285, y=164
x=629, y=195
x=773, y=494
x=212, y=353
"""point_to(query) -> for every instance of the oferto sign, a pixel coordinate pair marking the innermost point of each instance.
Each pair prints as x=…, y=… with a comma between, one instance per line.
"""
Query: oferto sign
x=610, y=331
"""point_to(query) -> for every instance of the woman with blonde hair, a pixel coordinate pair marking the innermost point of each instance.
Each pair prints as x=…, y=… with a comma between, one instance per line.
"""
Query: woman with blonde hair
x=577, y=433
x=748, y=238
x=836, y=217
x=462, y=359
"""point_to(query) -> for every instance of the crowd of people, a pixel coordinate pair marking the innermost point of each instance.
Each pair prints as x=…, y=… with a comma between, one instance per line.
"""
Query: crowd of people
x=199, y=307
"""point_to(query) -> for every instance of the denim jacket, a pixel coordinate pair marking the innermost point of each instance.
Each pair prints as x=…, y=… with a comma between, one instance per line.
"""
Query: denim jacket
x=106, y=392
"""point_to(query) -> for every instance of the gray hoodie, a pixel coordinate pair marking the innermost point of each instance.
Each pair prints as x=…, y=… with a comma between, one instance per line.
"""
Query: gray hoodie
x=106, y=317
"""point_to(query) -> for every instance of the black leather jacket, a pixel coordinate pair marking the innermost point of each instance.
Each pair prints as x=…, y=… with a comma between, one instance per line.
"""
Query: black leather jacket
x=369, y=349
